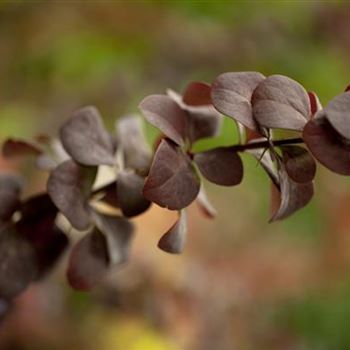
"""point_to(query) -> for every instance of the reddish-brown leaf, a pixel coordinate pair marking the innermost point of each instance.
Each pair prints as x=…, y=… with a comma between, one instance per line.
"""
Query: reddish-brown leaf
x=173, y=241
x=231, y=94
x=172, y=181
x=222, y=166
x=280, y=102
x=197, y=94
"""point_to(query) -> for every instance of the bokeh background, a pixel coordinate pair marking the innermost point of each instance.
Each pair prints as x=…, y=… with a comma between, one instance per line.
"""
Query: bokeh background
x=242, y=283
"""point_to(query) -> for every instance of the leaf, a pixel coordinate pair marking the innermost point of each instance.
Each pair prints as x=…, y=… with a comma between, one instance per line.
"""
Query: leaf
x=166, y=115
x=327, y=145
x=231, y=95
x=37, y=226
x=173, y=241
x=197, y=94
x=204, y=204
x=69, y=187
x=347, y=88
x=18, y=265
x=294, y=196
x=16, y=147
x=129, y=192
x=338, y=114
x=299, y=164
x=222, y=166
x=203, y=124
x=315, y=104
x=118, y=232
x=172, y=181
x=280, y=102
x=85, y=139
x=88, y=261
x=10, y=189
x=202, y=121
x=137, y=153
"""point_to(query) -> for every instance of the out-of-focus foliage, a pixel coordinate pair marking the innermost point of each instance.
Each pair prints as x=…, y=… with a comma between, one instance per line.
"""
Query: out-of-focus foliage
x=276, y=286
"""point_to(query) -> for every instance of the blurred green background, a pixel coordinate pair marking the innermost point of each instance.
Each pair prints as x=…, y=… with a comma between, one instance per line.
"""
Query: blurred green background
x=242, y=283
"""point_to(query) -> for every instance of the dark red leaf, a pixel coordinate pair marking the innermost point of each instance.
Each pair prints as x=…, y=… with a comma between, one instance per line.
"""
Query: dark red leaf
x=294, y=196
x=69, y=187
x=338, y=114
x=347, y=88
x=129, y=192
x=136, y=152
x=315, y=104
x=174, y=240
x=86, y=140
x=18, y=265
x=299, y=164
x=231, y=95
x=202, y=121
x=166, y=115
x=280, y=102
x=197, y=94
x=118, y=232
x=222, y=166
x=37, y=225
x=88, y=262
x=172, y=181
x=327, y=145
x=17, y=147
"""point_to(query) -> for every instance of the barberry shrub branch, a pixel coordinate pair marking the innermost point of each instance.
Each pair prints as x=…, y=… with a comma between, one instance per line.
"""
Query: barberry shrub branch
x=34, y=230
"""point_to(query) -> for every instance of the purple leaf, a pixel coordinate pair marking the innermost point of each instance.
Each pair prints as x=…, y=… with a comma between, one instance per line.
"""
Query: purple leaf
x=327, y=145
x=174, y=240
x=69, y=187
x=222, y=166
x=86, y=140
x=166, y=115
x=203, y=123
x=172, y=181
x=37, y=225
x=299, y=164
x=197, y=94
x=17, y=147
x=204, y=204
x=18, y=265
x=231, y=95
x=88, y=262
x=137, y=153
x=338, y=114
x=129, y=192
x=294, y=196
x=118, y=232
x=280, y=102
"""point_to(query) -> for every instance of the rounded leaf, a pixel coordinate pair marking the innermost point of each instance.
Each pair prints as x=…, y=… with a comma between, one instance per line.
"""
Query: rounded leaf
x=282, y=103
x=86, y=140
x=88, y=262
x=327, y=145
x=129, y=193
x=299, y=164
x=166, y=115
x=222, y=166
x=172, y=181
x=231, y=94
x=338, y=114
x=69, y=187
x=197, y=93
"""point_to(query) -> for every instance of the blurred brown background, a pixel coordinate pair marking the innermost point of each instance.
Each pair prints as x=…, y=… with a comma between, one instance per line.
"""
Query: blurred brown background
x=242, y=283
